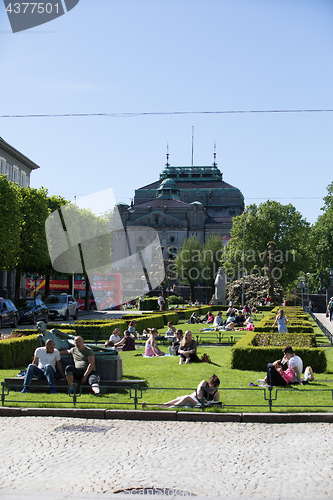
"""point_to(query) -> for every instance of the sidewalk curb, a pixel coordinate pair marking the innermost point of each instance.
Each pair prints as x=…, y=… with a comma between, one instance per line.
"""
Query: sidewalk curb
x=104, y=414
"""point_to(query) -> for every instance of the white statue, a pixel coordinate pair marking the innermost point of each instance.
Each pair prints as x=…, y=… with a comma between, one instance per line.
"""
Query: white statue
x=220, y=287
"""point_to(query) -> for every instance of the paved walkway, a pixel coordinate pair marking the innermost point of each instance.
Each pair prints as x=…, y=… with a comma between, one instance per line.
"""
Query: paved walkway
x=239, y=460
x=325, y=321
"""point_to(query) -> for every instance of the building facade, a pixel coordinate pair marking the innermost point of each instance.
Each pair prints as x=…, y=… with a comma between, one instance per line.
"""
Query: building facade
x=17, y=168
x=184, y=202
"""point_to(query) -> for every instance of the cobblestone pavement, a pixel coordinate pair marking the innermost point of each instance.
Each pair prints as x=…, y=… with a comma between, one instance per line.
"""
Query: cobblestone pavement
x=208, y=459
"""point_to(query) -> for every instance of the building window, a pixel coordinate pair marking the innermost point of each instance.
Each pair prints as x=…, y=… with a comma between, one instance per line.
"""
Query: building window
x=16, y=174
x=2, y=166
x=23, y=182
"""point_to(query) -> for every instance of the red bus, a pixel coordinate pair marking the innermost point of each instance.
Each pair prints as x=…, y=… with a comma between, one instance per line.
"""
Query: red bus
x=105, y=289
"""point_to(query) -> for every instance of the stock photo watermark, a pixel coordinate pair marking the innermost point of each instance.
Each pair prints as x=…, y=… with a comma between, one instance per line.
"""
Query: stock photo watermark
x=26, y=15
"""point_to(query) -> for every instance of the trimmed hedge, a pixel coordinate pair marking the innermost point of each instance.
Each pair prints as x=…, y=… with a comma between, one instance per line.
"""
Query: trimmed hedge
x=149, y=304
x=17, y=352
x=245, y=355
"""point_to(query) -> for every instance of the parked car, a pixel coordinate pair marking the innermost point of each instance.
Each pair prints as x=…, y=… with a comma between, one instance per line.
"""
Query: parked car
x=31, y=310
x=8, y=313
x=62, y=306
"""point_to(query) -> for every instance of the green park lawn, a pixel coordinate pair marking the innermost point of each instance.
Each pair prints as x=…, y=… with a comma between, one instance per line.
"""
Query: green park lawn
x=165, y=380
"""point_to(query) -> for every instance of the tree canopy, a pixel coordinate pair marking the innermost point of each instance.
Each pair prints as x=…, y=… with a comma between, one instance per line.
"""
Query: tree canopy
x=276, y=238
x=10, y=223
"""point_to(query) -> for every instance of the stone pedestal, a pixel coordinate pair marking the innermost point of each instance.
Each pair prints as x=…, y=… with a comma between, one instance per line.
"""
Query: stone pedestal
x=108, y=367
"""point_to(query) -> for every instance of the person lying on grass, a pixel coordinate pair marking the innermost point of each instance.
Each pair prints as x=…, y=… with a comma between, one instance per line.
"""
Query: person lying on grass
x=151, y=348
x=207, y=390
x=188, y=349
x=229, y=327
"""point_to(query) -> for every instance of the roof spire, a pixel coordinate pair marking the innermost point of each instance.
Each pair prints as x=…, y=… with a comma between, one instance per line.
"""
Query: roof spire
x=214, y=155
x=167, y=156
x=192, y=145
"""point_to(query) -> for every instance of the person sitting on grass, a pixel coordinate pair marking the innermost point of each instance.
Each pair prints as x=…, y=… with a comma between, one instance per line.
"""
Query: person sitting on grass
x=240, y=318
x=188, y=349
x=174, y=348
x=127, y=343
x=170, y=333
x=218, y=321
x=207, y=390
x=276, y=376
x=132, y=329
x=108, y=344
x=193, y=319
x=230, y=311
x=151, y=348
x=115, y=336
x=44, y=364
x=210, y=317
x=248, y=319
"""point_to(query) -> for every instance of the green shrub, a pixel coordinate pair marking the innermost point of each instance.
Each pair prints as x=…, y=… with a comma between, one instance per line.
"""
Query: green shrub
x=17, y=352
x=174, y=299
x=149, y=304
x=282, y=339
x=246, y=355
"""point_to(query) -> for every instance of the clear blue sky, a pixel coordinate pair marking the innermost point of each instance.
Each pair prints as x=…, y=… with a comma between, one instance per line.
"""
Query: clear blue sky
x=107, y=56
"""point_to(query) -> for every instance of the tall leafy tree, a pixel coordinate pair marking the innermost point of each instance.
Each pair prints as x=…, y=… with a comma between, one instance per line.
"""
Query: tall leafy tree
x=33, y=253
x=322, y=236
x=276, y=239
x=10, y=222
x=188, y=263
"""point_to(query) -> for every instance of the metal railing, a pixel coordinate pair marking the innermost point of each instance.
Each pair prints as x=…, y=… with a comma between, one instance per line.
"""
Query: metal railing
x=135, y=394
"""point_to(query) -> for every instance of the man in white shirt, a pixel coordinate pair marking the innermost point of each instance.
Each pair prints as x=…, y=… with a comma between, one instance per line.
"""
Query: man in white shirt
x=44, y=364
x=294, y=362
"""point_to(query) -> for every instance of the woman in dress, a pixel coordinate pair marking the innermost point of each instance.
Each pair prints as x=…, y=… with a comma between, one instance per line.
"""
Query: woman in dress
x=281, y=320
x=151, y=348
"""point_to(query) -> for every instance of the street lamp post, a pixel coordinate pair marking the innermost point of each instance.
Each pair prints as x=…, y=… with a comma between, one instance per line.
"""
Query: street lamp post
x=308, y=276
x=244, y=213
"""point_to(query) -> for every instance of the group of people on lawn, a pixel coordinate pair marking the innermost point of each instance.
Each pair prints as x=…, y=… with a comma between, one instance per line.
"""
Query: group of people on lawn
x=47, y=361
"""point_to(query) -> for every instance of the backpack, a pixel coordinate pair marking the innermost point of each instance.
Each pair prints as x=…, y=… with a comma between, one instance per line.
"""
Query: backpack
x=205, y=358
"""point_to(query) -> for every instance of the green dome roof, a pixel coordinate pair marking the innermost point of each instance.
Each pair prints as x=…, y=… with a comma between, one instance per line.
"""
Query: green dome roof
x=167, y=189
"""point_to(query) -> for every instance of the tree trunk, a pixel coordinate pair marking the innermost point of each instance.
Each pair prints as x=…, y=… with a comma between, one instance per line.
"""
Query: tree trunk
x=86, y=299
x=192, y=293
x=47, y=285
x=70, y=284
x=18, y=282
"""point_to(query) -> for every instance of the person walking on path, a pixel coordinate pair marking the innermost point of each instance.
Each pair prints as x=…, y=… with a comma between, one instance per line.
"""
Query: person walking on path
x=281, y=320
x=330, y=308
